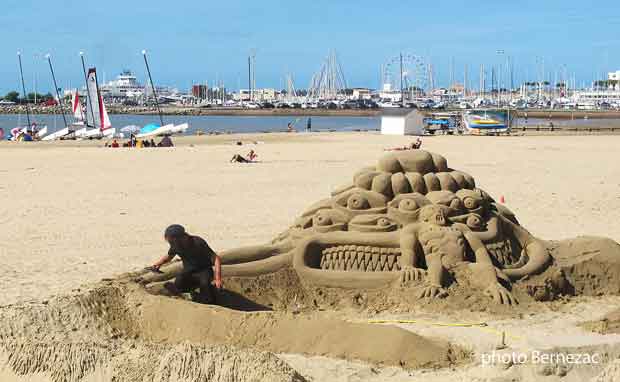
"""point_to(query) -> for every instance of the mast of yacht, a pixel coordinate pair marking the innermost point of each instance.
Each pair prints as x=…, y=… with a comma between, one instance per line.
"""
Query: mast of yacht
x=148, y=70
x=90, y=105
x=62, y=110
x=21, y=72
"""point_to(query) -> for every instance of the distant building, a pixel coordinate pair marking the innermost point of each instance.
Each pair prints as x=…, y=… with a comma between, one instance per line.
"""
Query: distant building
x=125, y=85
x=260, y=95
x=200, y=91
x=614, y=76
x=361, y=93
x=402, y=122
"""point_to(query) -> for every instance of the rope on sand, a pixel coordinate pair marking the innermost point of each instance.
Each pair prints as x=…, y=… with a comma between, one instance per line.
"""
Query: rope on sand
x=479, y=325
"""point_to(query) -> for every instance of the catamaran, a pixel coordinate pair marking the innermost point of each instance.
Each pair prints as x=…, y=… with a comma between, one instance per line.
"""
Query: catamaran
x=95, y=123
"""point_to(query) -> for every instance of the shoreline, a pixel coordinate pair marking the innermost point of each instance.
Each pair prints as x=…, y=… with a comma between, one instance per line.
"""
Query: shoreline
x=207, y=111
x=222, y=111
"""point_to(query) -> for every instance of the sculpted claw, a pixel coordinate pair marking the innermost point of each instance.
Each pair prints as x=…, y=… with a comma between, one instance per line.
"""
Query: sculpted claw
x=500, y=295
x=433, y=291
x=410, y=273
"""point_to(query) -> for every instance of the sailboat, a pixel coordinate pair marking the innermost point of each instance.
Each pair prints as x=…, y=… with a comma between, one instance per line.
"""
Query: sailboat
x=95, y=123
x=96, y=113
x=152, y=130
x=31, y=131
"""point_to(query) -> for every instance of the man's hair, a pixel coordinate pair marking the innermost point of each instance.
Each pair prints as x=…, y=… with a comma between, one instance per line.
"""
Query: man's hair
x=174, y=231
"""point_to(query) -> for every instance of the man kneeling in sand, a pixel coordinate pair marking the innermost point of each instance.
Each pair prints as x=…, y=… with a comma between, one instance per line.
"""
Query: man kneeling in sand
x=199, y=262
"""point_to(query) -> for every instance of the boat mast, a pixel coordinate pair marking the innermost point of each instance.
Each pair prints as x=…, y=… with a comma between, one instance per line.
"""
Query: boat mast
x=148, y=70
x=21, y=72
x=100, y=103
x=402, y=97
x=62, y=110
x=90, y=105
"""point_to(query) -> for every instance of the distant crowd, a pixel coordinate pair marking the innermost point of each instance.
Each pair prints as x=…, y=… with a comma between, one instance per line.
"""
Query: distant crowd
x=166, y=141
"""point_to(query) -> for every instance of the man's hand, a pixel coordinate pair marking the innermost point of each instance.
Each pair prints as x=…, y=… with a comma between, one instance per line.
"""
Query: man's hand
x=217, y=283
x=154, y=269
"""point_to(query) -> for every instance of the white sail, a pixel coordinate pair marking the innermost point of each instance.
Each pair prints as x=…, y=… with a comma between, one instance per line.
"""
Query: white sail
x=96, y=113
x=76, y=106
x=106, y=119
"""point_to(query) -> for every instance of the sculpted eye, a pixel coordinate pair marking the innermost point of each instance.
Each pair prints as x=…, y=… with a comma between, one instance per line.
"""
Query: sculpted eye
x=408, y=205
x=470, y=203
x=383, y=222
x=321, y=220
x=357, y=202
x=474, y=221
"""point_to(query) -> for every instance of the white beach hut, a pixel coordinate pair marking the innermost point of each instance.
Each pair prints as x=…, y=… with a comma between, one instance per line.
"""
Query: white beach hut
x=402, y=122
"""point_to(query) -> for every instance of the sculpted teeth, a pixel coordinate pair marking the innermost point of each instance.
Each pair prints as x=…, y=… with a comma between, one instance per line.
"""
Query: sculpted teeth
x=360, y=258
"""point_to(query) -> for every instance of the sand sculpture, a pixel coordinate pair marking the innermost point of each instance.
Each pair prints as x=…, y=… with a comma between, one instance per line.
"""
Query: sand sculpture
x=413, y=218
x=409, y=221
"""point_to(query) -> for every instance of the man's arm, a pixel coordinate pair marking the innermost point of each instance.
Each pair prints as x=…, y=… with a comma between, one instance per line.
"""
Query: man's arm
x=164, y=259
x=217, y=265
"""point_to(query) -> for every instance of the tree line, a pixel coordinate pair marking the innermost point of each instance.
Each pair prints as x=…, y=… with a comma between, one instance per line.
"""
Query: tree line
x=14, y=96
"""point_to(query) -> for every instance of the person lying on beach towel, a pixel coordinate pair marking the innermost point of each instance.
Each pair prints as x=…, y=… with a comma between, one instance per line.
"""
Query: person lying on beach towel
x=202, y=267
x=249, y=158
x=412, y=146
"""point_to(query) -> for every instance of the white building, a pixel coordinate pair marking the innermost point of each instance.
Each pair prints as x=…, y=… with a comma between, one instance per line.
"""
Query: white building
x=261, y=95
x=125, y=85
x=402, y=122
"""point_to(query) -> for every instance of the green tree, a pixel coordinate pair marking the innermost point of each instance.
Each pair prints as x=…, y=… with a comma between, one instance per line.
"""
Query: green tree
x=12, y=96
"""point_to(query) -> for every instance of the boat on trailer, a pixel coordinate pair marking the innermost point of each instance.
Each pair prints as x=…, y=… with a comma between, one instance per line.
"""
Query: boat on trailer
x=487, y=122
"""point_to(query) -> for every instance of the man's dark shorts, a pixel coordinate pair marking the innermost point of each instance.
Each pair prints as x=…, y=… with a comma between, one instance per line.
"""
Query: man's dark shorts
x=189, y=281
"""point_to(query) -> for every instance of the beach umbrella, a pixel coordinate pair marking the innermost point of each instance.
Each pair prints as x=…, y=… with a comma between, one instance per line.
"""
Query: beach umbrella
x=131, y=129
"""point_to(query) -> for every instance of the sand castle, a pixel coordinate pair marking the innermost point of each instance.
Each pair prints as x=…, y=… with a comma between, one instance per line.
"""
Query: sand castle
x=411, y=218
x=407, y=233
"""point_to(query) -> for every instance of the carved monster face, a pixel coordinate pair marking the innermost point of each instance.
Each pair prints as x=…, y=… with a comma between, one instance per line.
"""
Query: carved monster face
x=451, y=202
x=434, y=214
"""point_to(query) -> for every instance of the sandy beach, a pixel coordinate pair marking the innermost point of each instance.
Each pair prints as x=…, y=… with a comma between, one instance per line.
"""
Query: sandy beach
x=76, y=212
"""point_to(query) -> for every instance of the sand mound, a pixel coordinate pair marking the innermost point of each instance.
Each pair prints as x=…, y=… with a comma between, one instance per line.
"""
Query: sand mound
x=119, y=328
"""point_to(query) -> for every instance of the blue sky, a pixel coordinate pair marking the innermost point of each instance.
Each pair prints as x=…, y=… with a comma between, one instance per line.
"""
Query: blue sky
x=196, y=41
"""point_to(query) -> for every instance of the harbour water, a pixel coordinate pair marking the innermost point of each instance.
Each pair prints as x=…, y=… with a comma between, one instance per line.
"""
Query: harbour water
x=258, y=124
x=207, y=124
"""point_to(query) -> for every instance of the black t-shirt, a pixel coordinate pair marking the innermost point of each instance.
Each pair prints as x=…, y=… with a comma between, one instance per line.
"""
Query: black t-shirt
x=197, y=256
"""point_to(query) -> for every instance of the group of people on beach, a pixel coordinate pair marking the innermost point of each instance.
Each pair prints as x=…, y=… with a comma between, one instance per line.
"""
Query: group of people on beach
x=166, y=141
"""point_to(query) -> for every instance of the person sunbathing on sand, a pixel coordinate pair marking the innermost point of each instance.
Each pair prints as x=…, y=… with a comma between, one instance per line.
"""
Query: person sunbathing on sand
x=199, y=264
x=412, y=146
x=249, y=158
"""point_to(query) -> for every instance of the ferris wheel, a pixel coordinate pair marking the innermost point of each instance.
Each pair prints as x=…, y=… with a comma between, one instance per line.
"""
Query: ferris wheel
x=406, y=71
